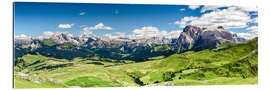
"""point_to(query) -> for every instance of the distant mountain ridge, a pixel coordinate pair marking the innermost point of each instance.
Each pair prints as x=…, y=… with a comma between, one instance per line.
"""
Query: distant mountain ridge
x=190, y=36
x=63, y=44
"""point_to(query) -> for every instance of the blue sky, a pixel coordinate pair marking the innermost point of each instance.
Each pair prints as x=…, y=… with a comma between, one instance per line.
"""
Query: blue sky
x=33, y=19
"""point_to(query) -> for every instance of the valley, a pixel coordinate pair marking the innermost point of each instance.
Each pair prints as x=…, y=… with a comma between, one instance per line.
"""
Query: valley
x=228, y=64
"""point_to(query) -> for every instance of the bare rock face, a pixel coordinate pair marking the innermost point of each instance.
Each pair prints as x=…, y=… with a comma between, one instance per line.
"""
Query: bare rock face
x=188, y=37
x=213, y=38
x=197, y=38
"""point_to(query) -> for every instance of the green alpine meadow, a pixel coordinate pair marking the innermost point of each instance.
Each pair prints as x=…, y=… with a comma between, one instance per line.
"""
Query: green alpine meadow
x=206, y=47
x=229, y=64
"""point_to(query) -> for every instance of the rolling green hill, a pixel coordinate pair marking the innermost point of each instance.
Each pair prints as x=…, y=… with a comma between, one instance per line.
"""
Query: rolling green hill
x=229, y=64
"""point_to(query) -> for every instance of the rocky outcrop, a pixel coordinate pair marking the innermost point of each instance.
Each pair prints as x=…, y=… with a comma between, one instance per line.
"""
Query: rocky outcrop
x=196, y=38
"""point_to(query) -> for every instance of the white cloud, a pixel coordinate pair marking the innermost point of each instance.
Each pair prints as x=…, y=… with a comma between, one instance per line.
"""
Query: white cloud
x=211, y=7
x=173, y=34
x=182, y=9
x=116, y=35
x=100, y=26
x=109, y=35
x=120, y=34
x=22, y=36
x=231, y=17
x=82, y=13
x=183, y=22
x=146, y=32
x=65, y=25
x=48, y=33
x=86, y=32
x=252, y=33
x=217, y=7
x=66, y=33
x=193, y=7
x=247, y=35
x=150, y=31
x=249, y=8
x=253, y=29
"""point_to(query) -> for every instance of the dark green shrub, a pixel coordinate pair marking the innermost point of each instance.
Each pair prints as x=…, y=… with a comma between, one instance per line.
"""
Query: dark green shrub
x=168, y=76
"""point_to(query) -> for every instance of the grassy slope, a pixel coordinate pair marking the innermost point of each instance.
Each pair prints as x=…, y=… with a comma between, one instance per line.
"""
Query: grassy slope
x=217, y=81
x=79, y=69
x=236, y=64
x=21, y=83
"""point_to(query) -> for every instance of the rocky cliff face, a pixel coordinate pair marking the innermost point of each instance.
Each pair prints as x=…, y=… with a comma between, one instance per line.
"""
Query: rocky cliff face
x=188, y=37
x=197, y=38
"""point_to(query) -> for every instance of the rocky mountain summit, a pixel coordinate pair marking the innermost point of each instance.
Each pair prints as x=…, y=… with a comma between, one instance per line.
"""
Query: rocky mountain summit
x=198, y=38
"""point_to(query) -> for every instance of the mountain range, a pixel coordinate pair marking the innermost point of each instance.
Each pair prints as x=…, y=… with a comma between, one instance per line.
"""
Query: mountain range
x=60, y=44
